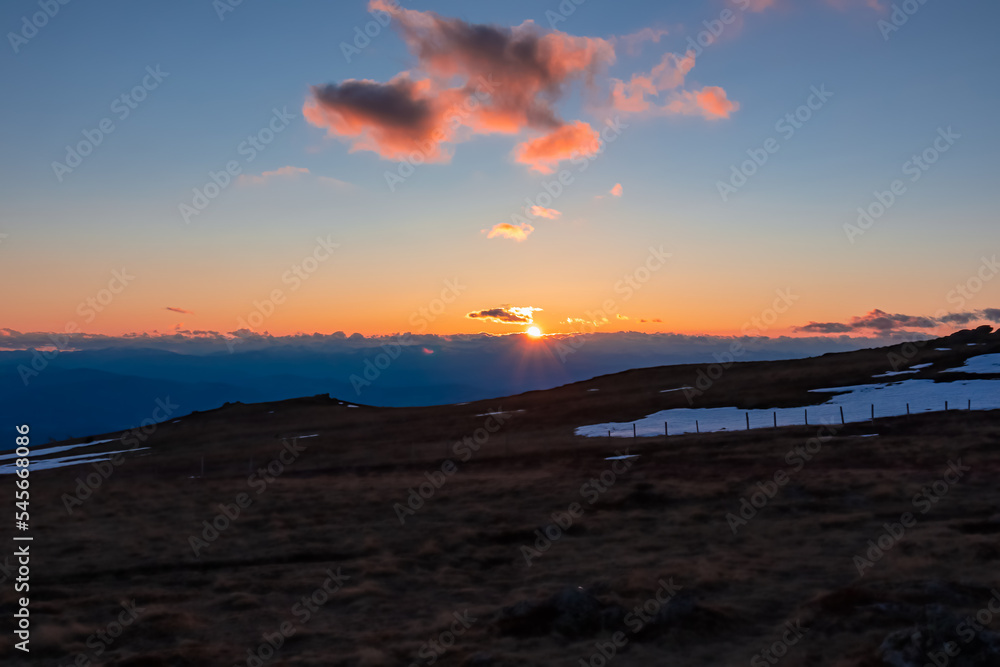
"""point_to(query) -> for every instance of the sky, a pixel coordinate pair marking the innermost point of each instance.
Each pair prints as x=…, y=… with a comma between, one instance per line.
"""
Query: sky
x=817, y=167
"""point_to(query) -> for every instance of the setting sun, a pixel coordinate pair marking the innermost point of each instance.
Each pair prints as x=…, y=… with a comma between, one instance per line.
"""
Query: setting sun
x=534, y=332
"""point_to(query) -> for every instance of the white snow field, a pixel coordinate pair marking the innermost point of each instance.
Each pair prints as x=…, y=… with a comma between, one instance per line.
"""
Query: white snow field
x=54, y=450
x=890, y=400
x=65, y=461
x=984, y=363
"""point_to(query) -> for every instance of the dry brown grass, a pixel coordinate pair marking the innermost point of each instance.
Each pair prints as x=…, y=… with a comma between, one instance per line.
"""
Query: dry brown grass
x=665, y=518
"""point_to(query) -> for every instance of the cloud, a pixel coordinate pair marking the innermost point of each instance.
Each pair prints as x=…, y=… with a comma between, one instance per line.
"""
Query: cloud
x=545, y=152
x=710, y=103
x=633, y=41
x=665, y=82
x=179, y=310
x=506, y=314
x=392, y=119
x=653, y=320
x=506, y=230
x=542, y=212
x=883, y=322
x=264, y=177
x=616, y=191
x=508, y=79
x=668, y=74
x=471, y=79
x=757, y=5
x=825, y=327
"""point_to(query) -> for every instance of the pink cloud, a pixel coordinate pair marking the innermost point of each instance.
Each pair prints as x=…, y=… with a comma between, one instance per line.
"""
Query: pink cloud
x=474, y=79
x=543, y=153
x=710, y=102
x=469, y=80
x=542, y=212
x=617, y=190
x=633, y=41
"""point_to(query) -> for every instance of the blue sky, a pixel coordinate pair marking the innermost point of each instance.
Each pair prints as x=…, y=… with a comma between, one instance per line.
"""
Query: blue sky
x=783, y=229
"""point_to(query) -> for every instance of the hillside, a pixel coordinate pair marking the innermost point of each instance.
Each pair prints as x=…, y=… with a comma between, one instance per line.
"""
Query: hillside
x=449, y=535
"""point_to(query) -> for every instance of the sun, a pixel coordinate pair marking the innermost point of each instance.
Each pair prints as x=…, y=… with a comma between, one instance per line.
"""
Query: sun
x=534, y=332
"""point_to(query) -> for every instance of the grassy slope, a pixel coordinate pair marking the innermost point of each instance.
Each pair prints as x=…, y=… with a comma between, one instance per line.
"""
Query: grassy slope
x=664, y=518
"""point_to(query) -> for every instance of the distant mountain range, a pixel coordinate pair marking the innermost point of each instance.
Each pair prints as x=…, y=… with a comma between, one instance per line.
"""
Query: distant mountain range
x=77, y=393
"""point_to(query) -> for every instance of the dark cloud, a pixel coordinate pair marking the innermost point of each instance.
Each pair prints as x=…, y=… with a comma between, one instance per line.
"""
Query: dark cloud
x=825, y=327
x=881, y=321
x=393, y=104
x=179, y=310
x=960, y=318
x=505, y=314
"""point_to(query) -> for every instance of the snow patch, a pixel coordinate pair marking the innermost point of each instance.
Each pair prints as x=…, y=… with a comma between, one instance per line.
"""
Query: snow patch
x=890, y=400
x=54, y=450
x=66, y=461
x=984, y=363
